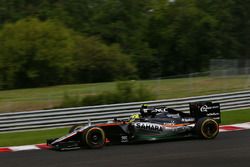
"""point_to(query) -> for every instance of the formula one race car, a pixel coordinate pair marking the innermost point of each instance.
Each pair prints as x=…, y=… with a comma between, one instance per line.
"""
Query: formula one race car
x=153, y=123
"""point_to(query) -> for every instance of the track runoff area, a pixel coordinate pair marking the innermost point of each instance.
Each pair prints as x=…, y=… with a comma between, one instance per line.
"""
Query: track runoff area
x=43, y=146
x=230, y=149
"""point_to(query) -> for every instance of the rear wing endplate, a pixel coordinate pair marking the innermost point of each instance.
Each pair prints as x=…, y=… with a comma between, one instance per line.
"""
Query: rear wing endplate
x=205, y=109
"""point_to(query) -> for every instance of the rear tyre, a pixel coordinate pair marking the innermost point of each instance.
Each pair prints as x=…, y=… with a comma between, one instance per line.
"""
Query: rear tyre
x=95, y=138
x=207, y=128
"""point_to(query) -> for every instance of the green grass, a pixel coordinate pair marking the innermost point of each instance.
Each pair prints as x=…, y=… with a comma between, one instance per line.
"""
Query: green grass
x=232, y=117
x=30, y=137
x=49, y=97
x=34, y=137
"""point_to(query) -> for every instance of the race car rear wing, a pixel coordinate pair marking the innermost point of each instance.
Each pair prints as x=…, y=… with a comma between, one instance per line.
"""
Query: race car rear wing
x=205, y=109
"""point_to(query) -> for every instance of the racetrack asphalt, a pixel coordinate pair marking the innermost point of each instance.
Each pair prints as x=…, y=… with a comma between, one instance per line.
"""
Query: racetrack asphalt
x=230, y=149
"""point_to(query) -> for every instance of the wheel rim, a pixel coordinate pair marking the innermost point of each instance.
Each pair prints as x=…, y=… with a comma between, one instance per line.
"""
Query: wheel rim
x=95, y=138
x=210, y=129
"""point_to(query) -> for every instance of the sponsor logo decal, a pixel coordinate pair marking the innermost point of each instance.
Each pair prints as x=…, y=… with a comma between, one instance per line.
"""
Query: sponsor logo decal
x=187, y=119
x=148, y=126
x=160, y=110
x=213, y=114
x=216, y=118
x=205, y=108
x=124, y=139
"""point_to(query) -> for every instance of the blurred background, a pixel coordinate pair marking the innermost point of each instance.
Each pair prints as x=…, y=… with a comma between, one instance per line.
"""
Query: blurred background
x=66, y=53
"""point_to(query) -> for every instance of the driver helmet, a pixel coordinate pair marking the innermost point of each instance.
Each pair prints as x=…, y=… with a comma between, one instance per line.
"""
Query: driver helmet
x=144, y=110
x=134, y=117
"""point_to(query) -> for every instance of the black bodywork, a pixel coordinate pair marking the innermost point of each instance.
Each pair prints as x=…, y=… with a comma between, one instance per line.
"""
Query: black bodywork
x=162, y=123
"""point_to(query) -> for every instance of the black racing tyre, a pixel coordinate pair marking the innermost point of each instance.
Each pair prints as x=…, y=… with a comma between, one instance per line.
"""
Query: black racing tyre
x=94, y=138
x=75, y=127
x=207, y=128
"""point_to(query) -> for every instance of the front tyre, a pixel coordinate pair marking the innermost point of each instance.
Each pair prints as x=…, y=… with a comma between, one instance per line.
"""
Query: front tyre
x=95, y=138
x=207, y=128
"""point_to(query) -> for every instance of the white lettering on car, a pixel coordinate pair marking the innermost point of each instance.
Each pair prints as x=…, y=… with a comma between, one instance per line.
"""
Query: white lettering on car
x=148, y=126
x=205, y=108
